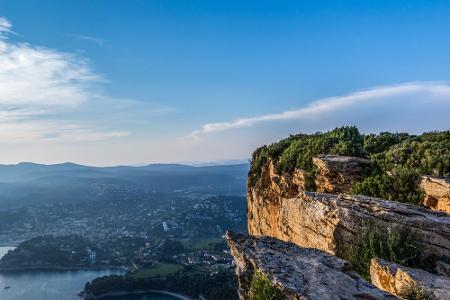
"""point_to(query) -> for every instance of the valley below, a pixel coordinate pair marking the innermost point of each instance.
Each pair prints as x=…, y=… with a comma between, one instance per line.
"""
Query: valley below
x=365, y=214
x=128, y=230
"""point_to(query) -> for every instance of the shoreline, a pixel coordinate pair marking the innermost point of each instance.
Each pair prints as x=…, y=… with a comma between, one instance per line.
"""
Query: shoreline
x=136, y=292
x=47, y=268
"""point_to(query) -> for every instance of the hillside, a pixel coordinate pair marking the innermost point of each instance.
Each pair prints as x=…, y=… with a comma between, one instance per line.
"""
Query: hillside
x=397, y=160
x=29, y=183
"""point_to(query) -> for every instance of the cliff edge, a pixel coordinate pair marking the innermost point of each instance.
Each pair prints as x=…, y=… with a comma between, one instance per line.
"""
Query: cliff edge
x=306, y=206
x=331, y=222
x=298, y=273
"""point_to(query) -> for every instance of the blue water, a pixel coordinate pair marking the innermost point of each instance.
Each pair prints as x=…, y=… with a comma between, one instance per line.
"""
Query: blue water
x=4, y=250
x=56, y=285
x=148, y=296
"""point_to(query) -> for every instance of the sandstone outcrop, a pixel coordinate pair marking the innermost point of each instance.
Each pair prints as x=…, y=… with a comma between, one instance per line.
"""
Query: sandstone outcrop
x=285, y=184
x=331, y=222
x=299, y=273
x=279, y=207
x=397, y=279
x=437, y=193
x=337, y=174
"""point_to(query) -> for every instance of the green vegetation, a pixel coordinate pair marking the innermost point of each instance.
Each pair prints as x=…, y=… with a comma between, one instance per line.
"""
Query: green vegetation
x=398, y=159
x=297, y=151
x=161, y=269
x=398, y=245
x=414, y=292
x=71, y=251
x=399, y=184
x=190, y=281
x=204, y=243
x=262, y=289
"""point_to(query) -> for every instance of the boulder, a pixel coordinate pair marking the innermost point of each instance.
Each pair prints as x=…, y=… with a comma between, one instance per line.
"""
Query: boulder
x=437, y=193
x=299, y=273
x=287, y=184
x=336, y=174
x=397, y=279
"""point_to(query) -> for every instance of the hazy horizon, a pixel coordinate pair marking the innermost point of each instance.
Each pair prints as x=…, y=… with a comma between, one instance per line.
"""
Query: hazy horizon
x=183, y=163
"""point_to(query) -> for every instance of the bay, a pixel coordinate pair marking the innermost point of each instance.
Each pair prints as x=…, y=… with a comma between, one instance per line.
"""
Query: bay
x=57, y=285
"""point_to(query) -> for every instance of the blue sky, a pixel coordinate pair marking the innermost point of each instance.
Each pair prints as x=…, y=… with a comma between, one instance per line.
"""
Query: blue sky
x=130, y=82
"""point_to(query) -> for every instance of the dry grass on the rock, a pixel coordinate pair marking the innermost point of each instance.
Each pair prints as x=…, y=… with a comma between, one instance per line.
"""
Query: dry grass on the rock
x=414, y=292
x=262, y=289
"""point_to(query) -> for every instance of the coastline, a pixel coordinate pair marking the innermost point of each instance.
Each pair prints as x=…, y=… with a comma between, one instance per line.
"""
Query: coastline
x=74, y=268
x=136, y=292
x=13, y=245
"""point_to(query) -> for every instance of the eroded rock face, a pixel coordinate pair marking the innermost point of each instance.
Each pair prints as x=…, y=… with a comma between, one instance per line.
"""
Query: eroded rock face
x=337, y=174
x=299, y=273
x=285, y=184
x=395, y=279
x=331, y=222
x=279, y=207
x=274, y=187
x=437, y=193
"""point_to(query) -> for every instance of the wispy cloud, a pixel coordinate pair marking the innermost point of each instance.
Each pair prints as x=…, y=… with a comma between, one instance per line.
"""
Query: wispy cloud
x=52, y=96
x=87, y=38
x=54, y=132
x=42, y=77
x=5, y=26
x=418, y=91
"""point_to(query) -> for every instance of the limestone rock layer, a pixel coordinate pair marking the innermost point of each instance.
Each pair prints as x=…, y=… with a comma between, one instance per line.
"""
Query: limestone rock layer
x=396, y=279
x=299, y=273
x=337, y=174
x=437, y=193
x=331, y=222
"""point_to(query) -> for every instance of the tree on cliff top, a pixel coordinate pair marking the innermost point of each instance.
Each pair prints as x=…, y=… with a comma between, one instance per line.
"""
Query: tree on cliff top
x=398, y=159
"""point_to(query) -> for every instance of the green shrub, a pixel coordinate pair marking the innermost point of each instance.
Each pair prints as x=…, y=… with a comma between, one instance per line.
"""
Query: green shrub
x=262, y=289
x=297, y=151
x=259, y=158
x=340, y=141
x=414, y=292
x=398, y=245
x=400, y=185
x=377, y=143
x=428, y=153
x=398, y=159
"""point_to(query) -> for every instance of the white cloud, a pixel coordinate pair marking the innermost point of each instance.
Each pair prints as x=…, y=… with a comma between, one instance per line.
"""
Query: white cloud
x=409, y=94
x=41, y=77
x=51, y=96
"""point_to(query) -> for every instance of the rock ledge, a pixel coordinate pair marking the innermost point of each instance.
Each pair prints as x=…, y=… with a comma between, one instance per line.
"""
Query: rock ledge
x=395, y=278
x=300, y=273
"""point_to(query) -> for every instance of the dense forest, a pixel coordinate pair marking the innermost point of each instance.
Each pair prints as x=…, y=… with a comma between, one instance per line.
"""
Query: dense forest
x=398, y=159
x=189, y=281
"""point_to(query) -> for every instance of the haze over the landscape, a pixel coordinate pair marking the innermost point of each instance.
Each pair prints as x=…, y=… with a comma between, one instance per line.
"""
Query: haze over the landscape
x=108, y=83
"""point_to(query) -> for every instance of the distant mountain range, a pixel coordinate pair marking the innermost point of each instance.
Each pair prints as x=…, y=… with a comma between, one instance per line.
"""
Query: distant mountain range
x=30, y=183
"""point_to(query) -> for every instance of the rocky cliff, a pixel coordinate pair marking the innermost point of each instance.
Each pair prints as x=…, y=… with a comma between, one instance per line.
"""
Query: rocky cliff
x=304, y=220
x=331, y=222
x=299, y=273
x=337, y=174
